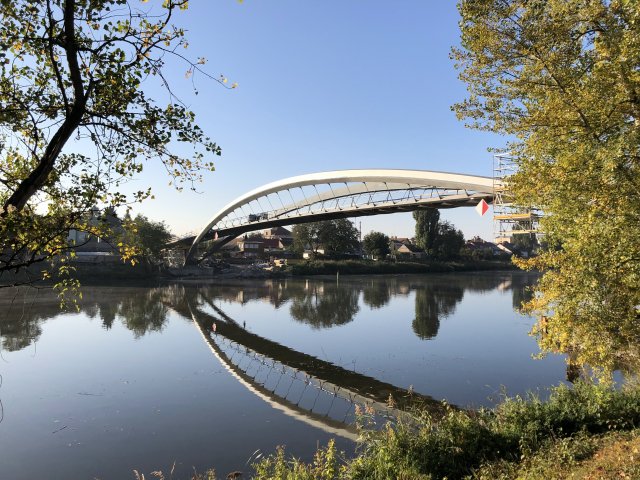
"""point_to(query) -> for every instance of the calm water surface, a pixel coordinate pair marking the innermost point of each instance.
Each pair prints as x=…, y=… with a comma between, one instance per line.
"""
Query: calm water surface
x=213, y=375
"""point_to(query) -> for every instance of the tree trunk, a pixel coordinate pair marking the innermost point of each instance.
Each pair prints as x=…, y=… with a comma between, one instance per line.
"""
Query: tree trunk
x=38, y=177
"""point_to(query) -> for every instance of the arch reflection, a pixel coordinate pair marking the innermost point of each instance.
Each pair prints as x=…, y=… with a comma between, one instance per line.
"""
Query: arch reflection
x=246, y=355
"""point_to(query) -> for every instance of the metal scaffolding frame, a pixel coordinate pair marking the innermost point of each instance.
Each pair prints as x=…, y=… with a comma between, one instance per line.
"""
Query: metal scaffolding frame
x=509, y=219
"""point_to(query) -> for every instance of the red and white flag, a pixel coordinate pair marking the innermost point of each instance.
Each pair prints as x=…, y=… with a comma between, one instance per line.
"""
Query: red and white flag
x=482, y=207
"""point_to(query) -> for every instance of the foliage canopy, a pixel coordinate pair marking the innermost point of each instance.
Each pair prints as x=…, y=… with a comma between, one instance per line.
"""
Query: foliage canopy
x=439, y=239
x=150, y=236
x=376, y=244
x=336, y=237
x=562, y=78
x=426, y=227
x=76, y=122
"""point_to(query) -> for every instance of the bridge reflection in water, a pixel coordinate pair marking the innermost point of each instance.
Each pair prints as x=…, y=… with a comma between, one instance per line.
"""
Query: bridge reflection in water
x=307, y=388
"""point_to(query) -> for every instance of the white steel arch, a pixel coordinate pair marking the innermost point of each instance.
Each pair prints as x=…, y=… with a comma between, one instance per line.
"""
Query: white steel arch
x=345, y=193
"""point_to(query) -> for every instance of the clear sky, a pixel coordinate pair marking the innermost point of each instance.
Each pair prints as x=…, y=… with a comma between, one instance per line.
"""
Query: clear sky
x=323, y=85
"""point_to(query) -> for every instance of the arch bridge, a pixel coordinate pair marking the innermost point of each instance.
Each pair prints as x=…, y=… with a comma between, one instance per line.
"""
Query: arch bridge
x=338, y=194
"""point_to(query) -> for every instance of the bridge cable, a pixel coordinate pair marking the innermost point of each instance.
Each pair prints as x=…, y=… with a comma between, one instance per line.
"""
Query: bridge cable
x=334, y=196
x=257, y=200
x=281, y=203
x=295, y=204
x=346, y=185
x=269, y=200
x=319, y=196
x=306, y=200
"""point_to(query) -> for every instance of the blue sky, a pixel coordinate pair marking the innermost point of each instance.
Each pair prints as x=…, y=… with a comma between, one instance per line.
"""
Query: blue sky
x=323, y=85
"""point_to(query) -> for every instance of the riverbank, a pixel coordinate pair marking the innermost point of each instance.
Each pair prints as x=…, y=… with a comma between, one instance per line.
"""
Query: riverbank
x=305, y=268
x=582, y=432
x=95, y=273
x=368, y=267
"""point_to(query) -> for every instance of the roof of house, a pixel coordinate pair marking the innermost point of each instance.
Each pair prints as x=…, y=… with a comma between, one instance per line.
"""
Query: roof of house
x=507, y=247
x=404, y=240
x=410, y=247
x=94, y=246
x=232, y=245
x=479, y=243
x=286, y=241
x=253, y=240
x=277, y=232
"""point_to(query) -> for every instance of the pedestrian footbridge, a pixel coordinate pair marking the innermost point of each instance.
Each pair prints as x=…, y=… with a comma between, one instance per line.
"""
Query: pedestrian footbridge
x=339, y=194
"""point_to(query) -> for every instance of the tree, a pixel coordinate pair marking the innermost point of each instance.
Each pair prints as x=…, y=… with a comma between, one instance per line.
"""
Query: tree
x=448, y=241
x=438, y=239
x=426, y=227
x=560, y=77
x=150, y=236
x=339, y=237
x=335, y=236
x=524, y=242
x=75, y=121
x=306, y=235
x=376, y=244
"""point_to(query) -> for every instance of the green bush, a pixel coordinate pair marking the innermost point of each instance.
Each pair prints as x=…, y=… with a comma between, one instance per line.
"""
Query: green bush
x=368, y=267
x=459, y=443
x=325, y=466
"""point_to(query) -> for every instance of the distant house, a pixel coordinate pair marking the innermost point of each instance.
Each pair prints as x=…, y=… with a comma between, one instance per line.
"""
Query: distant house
x=283, y=236
x=277, y=232
x=506, y=247
x=251, y=247
x=254, y=246
x=410, y=251
x=285, y=242
x=87, y=245
x=272, y=245
x=403, y=240
x=95, y=246
x=402, y=247
x=483, y=248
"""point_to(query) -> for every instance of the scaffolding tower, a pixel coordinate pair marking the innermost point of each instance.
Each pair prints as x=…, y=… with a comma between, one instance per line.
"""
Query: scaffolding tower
x=509, y=219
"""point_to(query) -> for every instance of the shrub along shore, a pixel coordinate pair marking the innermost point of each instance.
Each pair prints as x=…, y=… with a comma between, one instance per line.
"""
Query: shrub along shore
x=585, y=431
x=368, y=267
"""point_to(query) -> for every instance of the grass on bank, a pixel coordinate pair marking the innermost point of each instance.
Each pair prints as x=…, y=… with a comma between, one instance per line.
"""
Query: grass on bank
x=368, y=267
x=587, y=431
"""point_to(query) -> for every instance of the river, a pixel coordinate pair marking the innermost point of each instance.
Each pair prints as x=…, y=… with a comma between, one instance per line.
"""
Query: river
x=215, y=375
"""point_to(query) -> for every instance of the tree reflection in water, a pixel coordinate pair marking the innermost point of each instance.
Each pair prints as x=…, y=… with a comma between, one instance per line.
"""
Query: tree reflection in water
x=438, y=298
x=324, y=305
x=22, y=316
x=24, y=310
x=143, y=313
x=376, y=294
x=319, y=303
x=433, y=303
x=522, y=289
